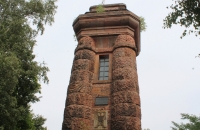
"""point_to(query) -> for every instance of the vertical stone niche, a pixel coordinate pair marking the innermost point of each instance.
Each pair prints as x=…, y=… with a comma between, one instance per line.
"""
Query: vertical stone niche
x=103, y=92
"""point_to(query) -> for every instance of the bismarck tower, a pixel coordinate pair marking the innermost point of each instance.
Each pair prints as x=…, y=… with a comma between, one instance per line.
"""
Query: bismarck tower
x=103, y=92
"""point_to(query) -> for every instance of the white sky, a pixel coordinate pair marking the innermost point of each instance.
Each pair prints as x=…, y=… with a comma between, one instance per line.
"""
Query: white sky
x=168, y=83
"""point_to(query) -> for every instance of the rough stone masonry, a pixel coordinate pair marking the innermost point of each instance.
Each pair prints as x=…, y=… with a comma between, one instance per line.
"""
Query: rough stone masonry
x=103, y=92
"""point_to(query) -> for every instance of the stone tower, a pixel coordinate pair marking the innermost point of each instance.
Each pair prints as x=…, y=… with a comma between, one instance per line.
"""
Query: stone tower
x=103, y=92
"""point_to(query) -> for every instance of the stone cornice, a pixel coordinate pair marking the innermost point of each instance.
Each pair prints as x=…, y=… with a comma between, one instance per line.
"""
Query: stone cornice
x=115, y=20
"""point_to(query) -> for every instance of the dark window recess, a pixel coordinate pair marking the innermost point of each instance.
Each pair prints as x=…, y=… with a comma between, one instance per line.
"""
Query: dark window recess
x=103, y=67
x=101, y=101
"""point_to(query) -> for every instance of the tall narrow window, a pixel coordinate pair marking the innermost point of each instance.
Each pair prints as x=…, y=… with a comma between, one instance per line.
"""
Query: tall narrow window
x=103, y=67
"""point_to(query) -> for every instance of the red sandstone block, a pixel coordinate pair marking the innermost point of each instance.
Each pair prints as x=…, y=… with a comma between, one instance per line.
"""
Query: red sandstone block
x=125, y=109
x=124, y=62
x=79, y=86
x=125, y=97
x=124, y=85
x=76, y=124
x=79, y=99
x=124, y=74
x=125, y=123
x=124, y=52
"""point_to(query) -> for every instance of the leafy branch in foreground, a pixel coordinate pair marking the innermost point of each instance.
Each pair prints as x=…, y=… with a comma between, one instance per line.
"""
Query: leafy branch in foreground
x=185, y=13
x=20, y=22
x=193, y=124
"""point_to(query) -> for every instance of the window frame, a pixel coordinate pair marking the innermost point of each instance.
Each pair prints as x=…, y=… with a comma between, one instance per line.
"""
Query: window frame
x=96, y=69
x=102, y=103
x=103, y=67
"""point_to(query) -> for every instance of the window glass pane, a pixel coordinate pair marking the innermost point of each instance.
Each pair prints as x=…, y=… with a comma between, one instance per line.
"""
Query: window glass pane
x=106, y=63
x=102, y=68
x=101, y=63
x=105, y=78
x=101, y=74
x=105, y=74
x=107, y=59
x=101, y=101
x=100, y=78
x=106, y=69
x=101, y=59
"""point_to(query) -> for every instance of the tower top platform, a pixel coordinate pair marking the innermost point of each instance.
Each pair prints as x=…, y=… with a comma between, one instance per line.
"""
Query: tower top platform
x=115, y=20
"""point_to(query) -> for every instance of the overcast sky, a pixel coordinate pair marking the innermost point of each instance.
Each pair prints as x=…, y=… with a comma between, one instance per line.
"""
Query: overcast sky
x=169, y=73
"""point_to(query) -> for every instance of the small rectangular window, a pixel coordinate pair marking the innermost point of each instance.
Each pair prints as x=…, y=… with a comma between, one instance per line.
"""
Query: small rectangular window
x=101, y=101
x=103, y=67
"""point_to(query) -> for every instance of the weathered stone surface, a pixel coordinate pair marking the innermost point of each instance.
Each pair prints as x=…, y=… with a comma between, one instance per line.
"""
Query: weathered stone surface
x=125, y=85
x=79, y=99
x=79, y=86
x=76, y=124
x=125, y=123
x=125, y=100
x=77, y=111
x=84, y=54
x=125, y=41
x=124, y=62
x=86, y=43
x=125, y=97
x=125, y=109
x=85, y=76
x=123, y=52
x=83, y=64
x=101, y=89
x=124, y=73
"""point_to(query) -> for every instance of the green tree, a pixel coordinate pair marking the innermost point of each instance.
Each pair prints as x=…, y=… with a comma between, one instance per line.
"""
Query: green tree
x=185, y=13
x=20, y=22
x=193, y=124
x=39, y=122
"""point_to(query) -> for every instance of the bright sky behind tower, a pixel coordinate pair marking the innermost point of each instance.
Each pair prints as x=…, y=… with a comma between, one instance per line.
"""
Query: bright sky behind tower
x=169, y=73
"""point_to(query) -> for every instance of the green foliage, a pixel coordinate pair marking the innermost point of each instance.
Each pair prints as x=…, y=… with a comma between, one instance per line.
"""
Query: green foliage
x=143, y=25
x=193, y=124
x=20, y=22
x=39, y=122
x=185, y=13
x=100, y=9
